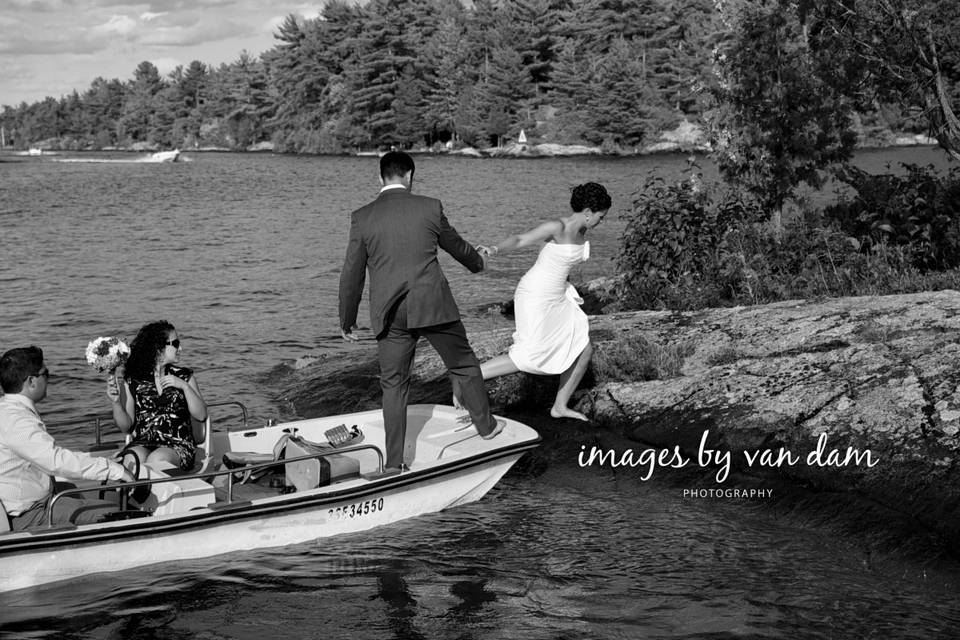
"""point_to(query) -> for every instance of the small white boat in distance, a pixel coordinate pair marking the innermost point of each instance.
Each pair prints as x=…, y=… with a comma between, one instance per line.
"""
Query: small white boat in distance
x=289, y=483
x=165, y=156
x=35, y=151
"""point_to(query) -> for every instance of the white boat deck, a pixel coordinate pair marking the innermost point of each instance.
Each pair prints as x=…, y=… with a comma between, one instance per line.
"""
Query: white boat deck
x=203, y=515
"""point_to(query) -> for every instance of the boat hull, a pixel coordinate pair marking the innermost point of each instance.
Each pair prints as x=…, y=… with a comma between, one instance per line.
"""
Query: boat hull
x=32, y=559
x=165, y=156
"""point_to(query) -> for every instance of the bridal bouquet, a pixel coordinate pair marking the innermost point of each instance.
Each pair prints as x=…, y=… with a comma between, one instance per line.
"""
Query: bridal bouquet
x=106, y=354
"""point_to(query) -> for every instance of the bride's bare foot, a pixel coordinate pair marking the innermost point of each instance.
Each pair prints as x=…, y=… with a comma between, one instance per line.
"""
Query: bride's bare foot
x=564, y=412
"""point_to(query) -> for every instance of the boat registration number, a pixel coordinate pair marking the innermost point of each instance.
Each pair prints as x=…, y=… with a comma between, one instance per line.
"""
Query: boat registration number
x=356, y=510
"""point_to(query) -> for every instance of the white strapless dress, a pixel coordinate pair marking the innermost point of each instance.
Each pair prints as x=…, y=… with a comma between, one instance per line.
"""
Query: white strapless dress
x=552, y=330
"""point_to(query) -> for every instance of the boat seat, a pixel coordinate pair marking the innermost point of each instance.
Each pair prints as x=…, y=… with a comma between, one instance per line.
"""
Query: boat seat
x=4, y=519
x=177, y=496
x=203, y=459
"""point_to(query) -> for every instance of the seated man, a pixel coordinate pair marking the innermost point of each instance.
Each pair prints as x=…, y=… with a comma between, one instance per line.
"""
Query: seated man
x=29, y=457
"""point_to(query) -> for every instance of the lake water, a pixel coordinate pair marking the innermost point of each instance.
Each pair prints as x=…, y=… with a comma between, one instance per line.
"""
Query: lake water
x=242, y=253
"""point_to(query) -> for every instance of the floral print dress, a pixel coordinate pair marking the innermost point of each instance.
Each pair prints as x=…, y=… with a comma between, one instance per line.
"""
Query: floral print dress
x=163, y=419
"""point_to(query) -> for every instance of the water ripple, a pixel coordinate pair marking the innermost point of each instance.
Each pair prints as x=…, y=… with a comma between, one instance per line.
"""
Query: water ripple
x=242, y=253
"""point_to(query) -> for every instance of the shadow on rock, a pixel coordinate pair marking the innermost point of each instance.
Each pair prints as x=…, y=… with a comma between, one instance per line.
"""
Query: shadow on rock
x=878, y=374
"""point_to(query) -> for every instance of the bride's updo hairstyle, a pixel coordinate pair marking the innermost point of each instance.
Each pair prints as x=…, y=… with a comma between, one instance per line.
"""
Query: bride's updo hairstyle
x=589, y=196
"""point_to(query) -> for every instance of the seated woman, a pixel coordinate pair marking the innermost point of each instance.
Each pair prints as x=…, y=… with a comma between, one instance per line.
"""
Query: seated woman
x=157, y=402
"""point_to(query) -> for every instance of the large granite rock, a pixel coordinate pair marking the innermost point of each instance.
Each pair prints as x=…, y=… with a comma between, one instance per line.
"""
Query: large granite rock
x=871, y=373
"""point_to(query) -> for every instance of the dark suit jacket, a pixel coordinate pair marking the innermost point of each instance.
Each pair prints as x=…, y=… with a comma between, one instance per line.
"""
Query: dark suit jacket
x=395, y=238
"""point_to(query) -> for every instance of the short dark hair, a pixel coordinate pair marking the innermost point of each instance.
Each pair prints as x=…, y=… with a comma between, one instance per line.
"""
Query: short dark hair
x=16, y=365
x=589, y=196
x=396, y=164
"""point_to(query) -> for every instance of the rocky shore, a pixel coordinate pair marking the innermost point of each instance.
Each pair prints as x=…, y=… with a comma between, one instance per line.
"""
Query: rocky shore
x=686, y=137
x=848, y=377
x=877, y=374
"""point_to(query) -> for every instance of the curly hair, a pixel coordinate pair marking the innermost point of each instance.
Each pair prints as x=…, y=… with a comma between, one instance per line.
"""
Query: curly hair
x=589, y=196
x=151, y=340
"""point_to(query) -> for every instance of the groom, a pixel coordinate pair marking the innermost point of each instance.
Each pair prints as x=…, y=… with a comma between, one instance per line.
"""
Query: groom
x=395, y=238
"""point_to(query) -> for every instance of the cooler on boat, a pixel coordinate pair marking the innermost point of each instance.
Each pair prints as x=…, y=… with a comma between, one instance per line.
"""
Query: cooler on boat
x=316, y=472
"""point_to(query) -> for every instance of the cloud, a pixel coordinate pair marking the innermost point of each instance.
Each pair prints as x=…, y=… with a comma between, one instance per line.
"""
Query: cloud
x=65, y=44
x=20, y=43
x=14, y=73
x=199, y=33
x=37, y=6
x=166, y=65
x=116, y=25
x=33, y=86
x=151, y=29
x=305, y=11
x=162, y=6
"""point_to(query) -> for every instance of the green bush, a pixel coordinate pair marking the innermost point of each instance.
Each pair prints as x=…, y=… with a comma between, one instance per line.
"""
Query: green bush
x=919, y=211
x=669, y=252
x=689, y=246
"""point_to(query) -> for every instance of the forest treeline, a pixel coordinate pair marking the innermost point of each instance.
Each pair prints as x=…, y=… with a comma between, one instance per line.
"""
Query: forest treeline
x=784, y=91
x=414, y=73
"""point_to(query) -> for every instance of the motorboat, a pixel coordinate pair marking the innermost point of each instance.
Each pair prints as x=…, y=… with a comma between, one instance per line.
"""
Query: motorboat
x=269, y=486
x=165, y=156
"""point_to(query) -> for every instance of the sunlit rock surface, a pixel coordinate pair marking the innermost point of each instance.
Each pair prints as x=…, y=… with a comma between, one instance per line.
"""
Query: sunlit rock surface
x=871, y=373
x=877, y=373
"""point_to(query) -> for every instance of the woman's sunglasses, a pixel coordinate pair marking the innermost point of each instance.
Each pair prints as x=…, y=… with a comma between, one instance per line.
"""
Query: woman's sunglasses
x=175, y=343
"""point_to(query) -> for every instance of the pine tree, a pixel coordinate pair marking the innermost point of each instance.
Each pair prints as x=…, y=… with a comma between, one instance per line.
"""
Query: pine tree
x=103, y=102
x=245, y=101
x=137, y=121
x=572, y=91
x=683, y=72
x=776, y=122
x=507, y=96
x=619, y=110
x=408, y=107
x=532, y=28
x=446, y=77
x=297, y=76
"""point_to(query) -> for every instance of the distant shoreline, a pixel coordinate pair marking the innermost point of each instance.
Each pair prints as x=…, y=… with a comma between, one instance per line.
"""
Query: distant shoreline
x=687, y=138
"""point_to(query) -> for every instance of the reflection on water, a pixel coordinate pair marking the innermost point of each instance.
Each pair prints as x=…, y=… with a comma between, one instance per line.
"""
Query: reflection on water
x=242, y=253
x=567, y=553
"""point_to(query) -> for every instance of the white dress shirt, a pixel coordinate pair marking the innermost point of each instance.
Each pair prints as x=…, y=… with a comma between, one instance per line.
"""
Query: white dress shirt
x=29, y=457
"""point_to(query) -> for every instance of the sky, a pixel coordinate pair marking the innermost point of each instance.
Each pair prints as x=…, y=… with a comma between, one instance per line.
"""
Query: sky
x=51, y=47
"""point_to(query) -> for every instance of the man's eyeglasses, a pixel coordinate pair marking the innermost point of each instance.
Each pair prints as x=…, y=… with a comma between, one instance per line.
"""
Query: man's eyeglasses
x=175, y=343
x=45, y=373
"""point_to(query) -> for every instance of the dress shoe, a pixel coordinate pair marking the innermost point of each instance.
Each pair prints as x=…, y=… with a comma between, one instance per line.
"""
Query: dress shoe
x=496, y=430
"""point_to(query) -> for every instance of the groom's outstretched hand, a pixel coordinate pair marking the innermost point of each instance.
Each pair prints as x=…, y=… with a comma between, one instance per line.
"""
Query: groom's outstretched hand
x=349, y=336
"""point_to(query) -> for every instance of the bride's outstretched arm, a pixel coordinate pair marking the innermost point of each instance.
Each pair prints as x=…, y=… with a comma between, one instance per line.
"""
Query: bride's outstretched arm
x=543, y=232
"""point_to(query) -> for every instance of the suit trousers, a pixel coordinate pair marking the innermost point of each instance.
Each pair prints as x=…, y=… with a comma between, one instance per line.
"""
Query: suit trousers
x=396, y=347
x=67, y=510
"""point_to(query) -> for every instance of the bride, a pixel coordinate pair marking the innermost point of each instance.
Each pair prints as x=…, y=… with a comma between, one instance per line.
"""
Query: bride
x=552, y=332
